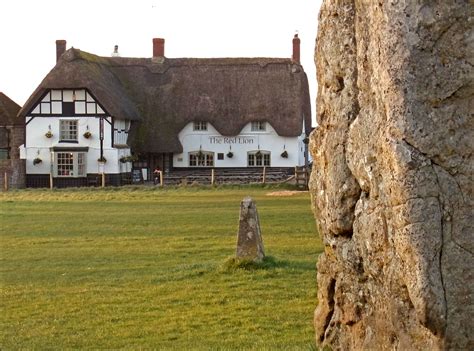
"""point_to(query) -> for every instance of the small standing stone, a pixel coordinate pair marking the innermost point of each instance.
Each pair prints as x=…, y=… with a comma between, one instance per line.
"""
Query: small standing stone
x=249, y=239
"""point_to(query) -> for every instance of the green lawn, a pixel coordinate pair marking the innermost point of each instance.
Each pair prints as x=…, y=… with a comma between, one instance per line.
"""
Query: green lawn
x=144, y=268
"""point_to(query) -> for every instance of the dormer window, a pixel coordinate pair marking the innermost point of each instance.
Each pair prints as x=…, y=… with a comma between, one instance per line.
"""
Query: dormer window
x=200, y=125
x=258, y=126
x=68, y=130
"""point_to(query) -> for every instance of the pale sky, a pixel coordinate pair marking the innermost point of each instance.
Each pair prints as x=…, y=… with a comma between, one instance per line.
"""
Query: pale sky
x=191, y=28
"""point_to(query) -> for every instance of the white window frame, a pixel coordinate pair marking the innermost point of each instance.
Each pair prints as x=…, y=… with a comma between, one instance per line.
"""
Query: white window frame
x=255, y=160
x=201, y=159
x=70, y=164
x=258, y=126
x=68, y=130
x=199, y=126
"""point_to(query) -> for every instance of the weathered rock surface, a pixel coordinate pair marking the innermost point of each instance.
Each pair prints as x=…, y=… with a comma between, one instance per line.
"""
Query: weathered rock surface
x=249, y=238
x=393, y=177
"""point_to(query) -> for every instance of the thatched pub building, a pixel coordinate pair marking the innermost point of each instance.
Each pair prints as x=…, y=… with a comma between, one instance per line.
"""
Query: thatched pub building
x=96, y=114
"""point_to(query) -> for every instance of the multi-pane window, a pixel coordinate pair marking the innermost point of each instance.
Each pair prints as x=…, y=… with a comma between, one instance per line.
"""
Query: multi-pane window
x=65, y=164
x=201, y=159
x=70, y=164
x=200, y=125
x=68, y=130
x=258, y=126
x=258, y=159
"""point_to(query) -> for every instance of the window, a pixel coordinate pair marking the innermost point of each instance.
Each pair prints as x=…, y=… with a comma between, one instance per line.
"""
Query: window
x=81, y=164
x=201, y=159
x=65, y=164
x=258, y=126
x=258, y=159
x=121, y=128
x=4, y=154
x=70, y=164
x=200, y=125
x=4, y=143
x=220, y=156
x=68, y=130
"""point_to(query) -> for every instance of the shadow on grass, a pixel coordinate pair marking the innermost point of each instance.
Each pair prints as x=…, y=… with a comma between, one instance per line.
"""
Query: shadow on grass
x=232, y=264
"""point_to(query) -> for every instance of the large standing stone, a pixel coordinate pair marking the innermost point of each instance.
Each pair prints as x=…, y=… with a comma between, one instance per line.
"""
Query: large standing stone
x=249, y=239
x=393, y=178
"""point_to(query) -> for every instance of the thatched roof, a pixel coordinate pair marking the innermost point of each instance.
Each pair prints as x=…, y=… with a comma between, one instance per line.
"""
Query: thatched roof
x=166, y=95
x=8, y=112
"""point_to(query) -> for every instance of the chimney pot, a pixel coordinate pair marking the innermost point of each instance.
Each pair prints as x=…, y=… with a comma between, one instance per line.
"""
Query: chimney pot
x=60, y=48
x=158, y=47
x=116, y=52
x=296, y=49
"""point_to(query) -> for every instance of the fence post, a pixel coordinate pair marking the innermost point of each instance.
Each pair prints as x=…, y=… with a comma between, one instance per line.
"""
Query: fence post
x=51, y=185
x=264, y=174
x=5, y=184
x=213, y=179
x=103, y=180
x=161, y=178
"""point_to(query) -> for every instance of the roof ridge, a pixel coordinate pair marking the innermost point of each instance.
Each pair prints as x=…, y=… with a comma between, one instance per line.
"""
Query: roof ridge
x=78, y=54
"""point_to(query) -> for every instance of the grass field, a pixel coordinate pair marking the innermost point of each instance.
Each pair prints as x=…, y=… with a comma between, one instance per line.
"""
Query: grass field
x=145, y=268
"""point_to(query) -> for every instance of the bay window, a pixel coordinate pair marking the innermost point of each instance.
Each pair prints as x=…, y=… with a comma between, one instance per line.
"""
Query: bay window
x=70, y=164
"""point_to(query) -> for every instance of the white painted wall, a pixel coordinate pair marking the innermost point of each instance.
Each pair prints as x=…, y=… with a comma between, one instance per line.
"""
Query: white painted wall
x=240, y=145
x=38, y=145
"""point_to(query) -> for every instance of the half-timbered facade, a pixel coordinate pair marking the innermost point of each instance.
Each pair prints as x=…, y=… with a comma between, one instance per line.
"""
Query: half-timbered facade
x=72, y=139
x=167, y=113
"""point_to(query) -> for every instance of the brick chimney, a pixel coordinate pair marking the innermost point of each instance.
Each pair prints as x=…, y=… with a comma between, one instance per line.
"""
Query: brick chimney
x=158, y=48
x=296, y=49
x=60, y=48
